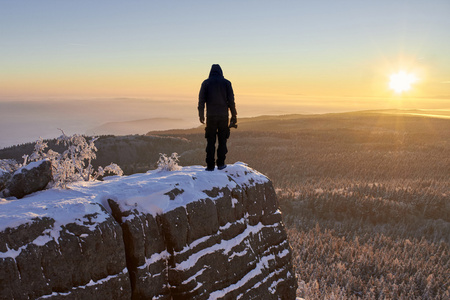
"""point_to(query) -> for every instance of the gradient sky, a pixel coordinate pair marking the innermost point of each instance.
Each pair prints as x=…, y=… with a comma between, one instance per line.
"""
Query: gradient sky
x=271, y=50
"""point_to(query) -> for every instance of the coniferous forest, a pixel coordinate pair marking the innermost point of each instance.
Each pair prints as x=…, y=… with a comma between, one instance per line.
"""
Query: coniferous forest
x=365, y=196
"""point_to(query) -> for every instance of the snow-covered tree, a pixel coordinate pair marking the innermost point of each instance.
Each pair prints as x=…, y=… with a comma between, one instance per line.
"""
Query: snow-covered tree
x=73, y=164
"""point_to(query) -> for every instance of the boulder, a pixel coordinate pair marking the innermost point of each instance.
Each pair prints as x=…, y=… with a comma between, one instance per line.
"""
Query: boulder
x=29, y=179
x=4, y=177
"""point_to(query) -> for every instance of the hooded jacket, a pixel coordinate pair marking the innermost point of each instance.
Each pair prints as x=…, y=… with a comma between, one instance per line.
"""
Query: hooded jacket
x=217, y=93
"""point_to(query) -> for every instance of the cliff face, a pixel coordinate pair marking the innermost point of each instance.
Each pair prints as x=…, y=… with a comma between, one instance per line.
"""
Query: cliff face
x=186, y=234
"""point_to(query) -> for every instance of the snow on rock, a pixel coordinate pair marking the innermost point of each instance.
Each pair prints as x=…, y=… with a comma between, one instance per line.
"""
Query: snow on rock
x=31, y=165
x=162, y=234
x=148, y=192
x=28, y=179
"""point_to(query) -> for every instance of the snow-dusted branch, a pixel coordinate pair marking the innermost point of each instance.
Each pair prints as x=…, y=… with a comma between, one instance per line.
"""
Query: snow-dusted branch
x=168, y=163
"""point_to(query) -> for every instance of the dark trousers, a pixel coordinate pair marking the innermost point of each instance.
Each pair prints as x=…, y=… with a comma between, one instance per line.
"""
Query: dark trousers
x=216, y=127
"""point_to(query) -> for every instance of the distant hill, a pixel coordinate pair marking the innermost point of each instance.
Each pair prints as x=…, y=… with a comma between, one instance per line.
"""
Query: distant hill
x=139, y=126
x=295, y=122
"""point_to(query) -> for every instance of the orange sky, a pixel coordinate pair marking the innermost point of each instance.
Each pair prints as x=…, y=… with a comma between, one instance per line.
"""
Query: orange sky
x=291, y=51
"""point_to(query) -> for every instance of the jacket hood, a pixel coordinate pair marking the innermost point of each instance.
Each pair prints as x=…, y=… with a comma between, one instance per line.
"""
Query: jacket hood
x=216, y=70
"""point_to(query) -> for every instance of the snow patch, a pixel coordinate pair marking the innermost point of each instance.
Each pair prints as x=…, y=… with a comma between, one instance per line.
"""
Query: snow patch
x=31, y=165
x=225, y=246
x=234, y=201
x=260, y=266
x=193, y=277
x=154, y=258
x=11, y=253
x=90, y=283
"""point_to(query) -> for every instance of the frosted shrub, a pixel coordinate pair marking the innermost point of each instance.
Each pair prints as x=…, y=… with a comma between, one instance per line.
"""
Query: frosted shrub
x=74, y=164
x=111, y=168
x=168, y=163
x=9, y=165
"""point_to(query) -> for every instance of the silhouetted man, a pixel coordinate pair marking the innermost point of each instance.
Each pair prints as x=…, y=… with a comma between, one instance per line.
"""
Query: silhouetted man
x=217, y=93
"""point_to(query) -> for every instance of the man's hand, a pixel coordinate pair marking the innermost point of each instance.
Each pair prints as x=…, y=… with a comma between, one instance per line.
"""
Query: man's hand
x=233, y=122
x=202, y=119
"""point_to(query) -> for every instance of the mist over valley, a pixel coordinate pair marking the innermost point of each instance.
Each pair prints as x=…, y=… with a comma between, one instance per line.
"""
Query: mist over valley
x=23, y=121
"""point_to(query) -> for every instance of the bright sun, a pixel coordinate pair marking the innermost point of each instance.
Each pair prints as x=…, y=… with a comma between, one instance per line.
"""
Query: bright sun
x=401, y=81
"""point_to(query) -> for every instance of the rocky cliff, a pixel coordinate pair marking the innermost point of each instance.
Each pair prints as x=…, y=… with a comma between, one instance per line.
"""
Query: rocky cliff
x=186, y=234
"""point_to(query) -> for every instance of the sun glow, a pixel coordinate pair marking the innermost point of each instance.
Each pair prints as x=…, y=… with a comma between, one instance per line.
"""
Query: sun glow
x=401, y=81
